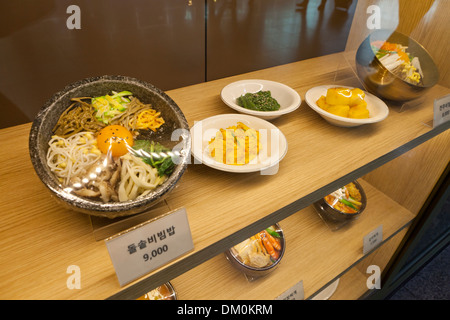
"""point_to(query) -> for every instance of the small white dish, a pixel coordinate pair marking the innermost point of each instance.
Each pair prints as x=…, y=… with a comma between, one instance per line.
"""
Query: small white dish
x=378, y=110
x=272, y=140
x=287, y=97
x=326, y=293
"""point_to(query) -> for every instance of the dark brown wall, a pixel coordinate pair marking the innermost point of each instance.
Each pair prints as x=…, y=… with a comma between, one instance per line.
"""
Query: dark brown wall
x=169, y=43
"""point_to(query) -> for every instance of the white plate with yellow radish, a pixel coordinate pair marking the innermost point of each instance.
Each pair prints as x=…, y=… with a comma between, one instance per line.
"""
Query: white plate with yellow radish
x=237, y=143
x=346, y=106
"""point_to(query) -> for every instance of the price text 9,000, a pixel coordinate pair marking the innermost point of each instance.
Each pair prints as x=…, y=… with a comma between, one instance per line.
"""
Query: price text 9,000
x=154, y=253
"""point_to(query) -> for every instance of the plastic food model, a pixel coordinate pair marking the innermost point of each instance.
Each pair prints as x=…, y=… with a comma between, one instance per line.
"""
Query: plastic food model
x=164, y=292
x=345, y=102
x=261, y=250
x=236, y=145
x=102, y=148
x=342, y=206
x=346, y=199
x=396, y=59
x=259, y=101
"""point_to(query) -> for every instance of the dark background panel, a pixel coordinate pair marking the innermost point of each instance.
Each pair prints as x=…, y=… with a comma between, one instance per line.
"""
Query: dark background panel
x=161, y=42
x=248, y=35
x=170, y=43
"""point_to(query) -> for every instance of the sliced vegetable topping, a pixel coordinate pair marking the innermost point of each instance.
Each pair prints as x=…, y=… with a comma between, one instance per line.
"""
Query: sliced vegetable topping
x=109, y=106
x=272, y=232
x=155, y=155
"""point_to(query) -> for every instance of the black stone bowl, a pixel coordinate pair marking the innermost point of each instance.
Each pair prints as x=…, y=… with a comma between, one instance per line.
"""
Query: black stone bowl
x=41, y=133
x=335, y=215
x=255, y=272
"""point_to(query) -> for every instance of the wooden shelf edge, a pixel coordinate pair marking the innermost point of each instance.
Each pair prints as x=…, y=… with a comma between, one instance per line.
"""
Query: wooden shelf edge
x=353, y=272
x=225, y=275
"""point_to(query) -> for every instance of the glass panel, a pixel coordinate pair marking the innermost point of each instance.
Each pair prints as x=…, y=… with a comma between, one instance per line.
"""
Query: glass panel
x=244, y=36
x=161, y=42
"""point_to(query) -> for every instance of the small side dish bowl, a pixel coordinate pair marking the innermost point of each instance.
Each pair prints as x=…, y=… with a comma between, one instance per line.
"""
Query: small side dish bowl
x=251, y=250
x=287, y=97
x=329, y=212
x=378, y=110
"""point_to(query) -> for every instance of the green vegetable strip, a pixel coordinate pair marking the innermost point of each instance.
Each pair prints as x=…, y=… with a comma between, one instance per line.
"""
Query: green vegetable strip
x=348, y=203
x=354, y=201
x=164, y=165
x=122, y=94
x=273, y=232
x=109, y=106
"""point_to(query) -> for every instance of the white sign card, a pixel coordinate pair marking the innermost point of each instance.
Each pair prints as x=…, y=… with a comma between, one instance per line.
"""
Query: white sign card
x=296, y=292
x=139, y=250
x=441, y=110
x=373, y=239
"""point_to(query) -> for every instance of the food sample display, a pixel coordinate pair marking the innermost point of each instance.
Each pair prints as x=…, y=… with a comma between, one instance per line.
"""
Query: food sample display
x=345, y=203
x=346, y=199
x=346, y=106
x=394, y=66
x=396, y=58
x=264, y=99
x=259, y=254
x=102, y=148
x=259, y=101
x=345, y=102
x=235, y=145
x=164, y=292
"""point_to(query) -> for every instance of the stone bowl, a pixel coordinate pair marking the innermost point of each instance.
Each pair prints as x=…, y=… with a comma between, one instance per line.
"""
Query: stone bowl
x=175, y=122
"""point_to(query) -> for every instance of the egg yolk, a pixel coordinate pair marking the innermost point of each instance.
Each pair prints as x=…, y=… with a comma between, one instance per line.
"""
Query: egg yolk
x=114, y=139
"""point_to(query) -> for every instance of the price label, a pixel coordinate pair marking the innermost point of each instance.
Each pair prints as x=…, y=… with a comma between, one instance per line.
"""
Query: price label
x=373, y=239
x=150, y=245
x=296, y=292
x=441, y=110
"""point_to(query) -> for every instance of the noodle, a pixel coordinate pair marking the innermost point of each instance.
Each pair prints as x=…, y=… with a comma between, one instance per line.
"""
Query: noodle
x=137, y=178
x=136, y=111
x=69, y=157
x=78, y=117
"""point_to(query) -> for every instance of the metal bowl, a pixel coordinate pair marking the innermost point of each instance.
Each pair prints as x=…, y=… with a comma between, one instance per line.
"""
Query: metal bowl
x=333, y=214
x=255, y=272
x=383, y=83
x=41, y=132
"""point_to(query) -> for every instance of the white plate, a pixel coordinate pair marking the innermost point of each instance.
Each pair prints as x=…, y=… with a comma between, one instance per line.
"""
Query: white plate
x=272, y=140
x=287, y=97
x=378, y=110
x=326, y=293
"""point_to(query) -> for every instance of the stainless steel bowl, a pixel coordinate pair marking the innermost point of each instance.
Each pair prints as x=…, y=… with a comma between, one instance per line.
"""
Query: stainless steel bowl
x=41, y=132
x=328, y=212
x=383, y=83
x=253, y=271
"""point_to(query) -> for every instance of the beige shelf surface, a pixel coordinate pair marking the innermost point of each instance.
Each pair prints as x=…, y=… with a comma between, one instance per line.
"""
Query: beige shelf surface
x=40, y=239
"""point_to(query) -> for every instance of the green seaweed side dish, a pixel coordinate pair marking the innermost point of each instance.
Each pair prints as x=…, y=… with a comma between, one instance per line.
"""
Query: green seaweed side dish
x=259, y=101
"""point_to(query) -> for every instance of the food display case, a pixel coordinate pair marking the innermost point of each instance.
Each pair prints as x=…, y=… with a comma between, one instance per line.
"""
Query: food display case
x=398, y=164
